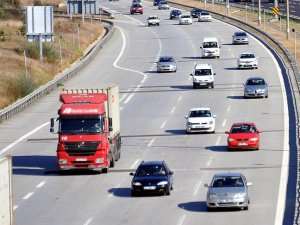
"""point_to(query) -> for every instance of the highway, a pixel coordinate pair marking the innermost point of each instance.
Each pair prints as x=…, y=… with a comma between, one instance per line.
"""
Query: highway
x=153, y=107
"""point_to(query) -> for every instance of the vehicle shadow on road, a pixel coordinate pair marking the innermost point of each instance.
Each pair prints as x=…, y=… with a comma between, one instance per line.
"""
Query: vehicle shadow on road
x=192, y=57
x=33, y=164
x=231, y=68
x=120, y=192
x=176, y=132
x=199, y=206
x=236, y=97
x=217, y=148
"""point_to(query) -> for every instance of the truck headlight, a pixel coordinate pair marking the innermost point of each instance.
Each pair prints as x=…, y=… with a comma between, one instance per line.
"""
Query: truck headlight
x=99, y=160
x=254, y=139
x=162, y=183
x=62, y=161
x=231, y=139
x=211, y=122
x=195, y=79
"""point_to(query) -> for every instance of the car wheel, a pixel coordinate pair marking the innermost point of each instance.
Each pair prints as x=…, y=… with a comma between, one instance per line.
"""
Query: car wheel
x=212, y=85
x=194, y=86
x=245, y=208
x=245, y=97
x=266, y=96
x=133, y=194
x=168, y=192
x=104, y=170
x=213, y=131
x=209, y=209
x=228, y=149
x=158, y=24
x=149, y=24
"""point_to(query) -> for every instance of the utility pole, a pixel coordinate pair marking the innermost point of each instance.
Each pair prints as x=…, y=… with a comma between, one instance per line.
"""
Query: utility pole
x=287, y=20
x=227, y=7
x=259, y=13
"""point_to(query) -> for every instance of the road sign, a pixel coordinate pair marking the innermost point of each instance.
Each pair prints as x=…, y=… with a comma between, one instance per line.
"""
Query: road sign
x=276, y=10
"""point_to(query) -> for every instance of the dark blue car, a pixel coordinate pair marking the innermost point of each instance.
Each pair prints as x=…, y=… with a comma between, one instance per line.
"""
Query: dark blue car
x=156, y=2
x=152, y=177
x=195, y=12
x=175, y=13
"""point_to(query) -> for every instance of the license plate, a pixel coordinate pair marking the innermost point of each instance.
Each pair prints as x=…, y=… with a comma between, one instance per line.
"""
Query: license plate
x=242, y=143
x=149, y=188
x=199, y=126
x=203, y=84
x=81, y=159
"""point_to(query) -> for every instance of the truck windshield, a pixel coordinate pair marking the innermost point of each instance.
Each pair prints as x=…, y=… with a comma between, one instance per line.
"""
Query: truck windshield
x=80, y=125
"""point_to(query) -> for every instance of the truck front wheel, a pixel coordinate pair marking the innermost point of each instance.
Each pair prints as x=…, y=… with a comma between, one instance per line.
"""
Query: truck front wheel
x=104, y=170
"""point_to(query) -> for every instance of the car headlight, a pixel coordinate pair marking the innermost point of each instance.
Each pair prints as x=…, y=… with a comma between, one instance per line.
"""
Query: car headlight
x=254, y=139
x=62, y=161
x=211, y=122
x=195, y=79
x=136, y=184
x=99, y=160
x=210, y=78
x=240, y=195
x=231, y=139
x=189, y=123
x=162, y=183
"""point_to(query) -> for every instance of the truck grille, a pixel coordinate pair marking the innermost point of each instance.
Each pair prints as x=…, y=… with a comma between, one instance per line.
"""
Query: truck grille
x=81, y=148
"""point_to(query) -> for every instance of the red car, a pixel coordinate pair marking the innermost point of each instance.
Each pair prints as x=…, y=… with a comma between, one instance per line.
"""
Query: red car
x=243, y=136
x=136, y=8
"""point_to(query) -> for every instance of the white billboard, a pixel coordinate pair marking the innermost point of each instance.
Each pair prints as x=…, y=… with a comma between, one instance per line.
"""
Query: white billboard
x=39, y=23
x=6, y=208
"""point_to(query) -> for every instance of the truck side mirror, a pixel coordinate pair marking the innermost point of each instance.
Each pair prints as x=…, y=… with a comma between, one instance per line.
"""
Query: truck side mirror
x=110, y=127
x=52, y=125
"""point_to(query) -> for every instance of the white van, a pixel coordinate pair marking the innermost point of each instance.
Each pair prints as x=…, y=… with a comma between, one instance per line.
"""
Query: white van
x=203, y=76
x=210, y=47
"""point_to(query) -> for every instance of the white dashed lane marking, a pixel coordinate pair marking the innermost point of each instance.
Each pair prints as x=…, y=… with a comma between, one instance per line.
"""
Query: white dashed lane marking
x=28, y=195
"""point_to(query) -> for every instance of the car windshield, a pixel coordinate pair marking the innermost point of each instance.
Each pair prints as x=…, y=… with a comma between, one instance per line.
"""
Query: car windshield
x=163, y=3
x=166, y=59
x=81, y=125
x=204, y=14
x=200, y=113
x=152, y=18
x=210, y=44
x=176, y=12
x=240, y=34
x=196, y=10
x=185, y=17
x=244, y=128
x=247, y=56
x=136, y=5
x=256, y=82
x=203, y=72
x=227, y=181
x=151, y=170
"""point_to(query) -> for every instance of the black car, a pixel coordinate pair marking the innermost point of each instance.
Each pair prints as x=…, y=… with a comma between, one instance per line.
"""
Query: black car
x=152, y=177
x=175, y=13
x=156, y=2
x=195, y=12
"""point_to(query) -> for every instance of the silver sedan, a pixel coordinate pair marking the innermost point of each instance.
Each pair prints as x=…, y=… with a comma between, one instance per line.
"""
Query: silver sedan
x=228, y=190
x=240, y=37
x=166, y=64
x=256, y=87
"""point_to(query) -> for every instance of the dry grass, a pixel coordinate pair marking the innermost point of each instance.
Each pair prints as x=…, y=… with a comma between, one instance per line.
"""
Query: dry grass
x=275, y=28
x=13, y=63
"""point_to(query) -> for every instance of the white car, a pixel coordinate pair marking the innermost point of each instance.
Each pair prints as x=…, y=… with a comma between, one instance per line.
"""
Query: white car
x=200, y=120
x=247, y=60
x=153, y=20
x=185, y=19
x=204, y=17
x=203, y=76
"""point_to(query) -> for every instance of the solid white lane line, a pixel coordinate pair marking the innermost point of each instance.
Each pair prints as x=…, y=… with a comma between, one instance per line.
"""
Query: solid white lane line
x=28, y=195
x=181, y=219
x=228, y=108
x=23, y=137
x=218, y=140
x=224, y=123
x=179, y=98
x=172, y=111
x=15, y=207
x=164, y=123
x=89, y=220
x=197, y=187
x=135, y=163
x=113, y=192
x=41, y=184
x=151, y=142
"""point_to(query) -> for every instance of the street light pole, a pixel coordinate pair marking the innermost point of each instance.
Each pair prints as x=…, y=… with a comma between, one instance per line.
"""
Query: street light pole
x=295, y=43
x=287, y=19
x=227, y=7
x=82, y=10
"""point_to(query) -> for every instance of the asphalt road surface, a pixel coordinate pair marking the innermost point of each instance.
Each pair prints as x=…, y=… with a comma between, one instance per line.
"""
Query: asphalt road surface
x=153, y=107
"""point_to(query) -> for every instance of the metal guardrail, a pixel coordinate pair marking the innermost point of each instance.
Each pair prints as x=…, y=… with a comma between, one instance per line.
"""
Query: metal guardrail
x=67, y=74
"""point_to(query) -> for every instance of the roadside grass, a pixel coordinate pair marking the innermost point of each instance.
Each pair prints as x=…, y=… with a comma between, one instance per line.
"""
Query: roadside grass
x=13, y=85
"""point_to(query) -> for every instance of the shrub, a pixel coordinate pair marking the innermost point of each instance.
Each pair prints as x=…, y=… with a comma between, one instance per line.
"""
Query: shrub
x=2, y=35
x=21, y=85
x=50, y=53
x=37, y=3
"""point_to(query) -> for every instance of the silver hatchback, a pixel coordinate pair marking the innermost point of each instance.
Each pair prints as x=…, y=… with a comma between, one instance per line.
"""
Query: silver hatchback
x=166, y=64
x=240, y=37
x=228, y=190
x=256, y=87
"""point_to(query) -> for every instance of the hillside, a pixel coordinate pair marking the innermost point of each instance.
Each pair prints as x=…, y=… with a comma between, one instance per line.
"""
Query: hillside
x=14, y=83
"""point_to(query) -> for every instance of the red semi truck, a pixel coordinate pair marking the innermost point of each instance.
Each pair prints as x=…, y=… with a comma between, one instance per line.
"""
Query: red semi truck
x=88, y=129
